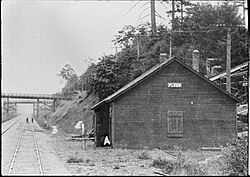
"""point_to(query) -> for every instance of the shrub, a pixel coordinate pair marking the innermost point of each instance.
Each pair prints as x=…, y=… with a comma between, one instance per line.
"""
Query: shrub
x=236, y=156
x=144, y=156
x=74, y=160
x=166, y=165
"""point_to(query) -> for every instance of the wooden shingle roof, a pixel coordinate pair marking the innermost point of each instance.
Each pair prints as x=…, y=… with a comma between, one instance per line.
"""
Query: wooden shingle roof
x=150, y=72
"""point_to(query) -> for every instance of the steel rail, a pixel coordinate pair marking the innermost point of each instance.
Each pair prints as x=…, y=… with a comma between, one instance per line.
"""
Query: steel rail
x=37, y=152
x=16, y=151
x=38, y=157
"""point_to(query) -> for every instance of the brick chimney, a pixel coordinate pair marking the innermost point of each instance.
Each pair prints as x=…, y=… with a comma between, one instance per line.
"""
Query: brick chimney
x=163, y=57
x=196, y=56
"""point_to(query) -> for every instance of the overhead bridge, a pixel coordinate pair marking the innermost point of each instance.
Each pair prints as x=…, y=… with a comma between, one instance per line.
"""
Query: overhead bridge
x=26, y=102
x=34, y=96
x=10, y=106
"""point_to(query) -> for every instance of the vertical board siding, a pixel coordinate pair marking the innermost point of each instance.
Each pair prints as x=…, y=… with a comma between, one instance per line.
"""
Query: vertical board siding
x=140, y=115
x=102, y=124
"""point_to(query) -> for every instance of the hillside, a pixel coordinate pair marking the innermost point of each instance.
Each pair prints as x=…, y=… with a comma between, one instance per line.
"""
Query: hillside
x=68, y=113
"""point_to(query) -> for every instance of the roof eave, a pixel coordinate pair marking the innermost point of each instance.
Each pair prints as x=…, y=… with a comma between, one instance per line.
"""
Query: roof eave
x=198, y=74
x=111, y=98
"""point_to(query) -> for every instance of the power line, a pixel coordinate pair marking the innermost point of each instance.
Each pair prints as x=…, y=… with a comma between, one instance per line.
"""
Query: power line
x=132, y=7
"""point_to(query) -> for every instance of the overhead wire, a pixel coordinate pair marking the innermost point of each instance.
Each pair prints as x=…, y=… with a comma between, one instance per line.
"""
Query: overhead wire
x=132, y=7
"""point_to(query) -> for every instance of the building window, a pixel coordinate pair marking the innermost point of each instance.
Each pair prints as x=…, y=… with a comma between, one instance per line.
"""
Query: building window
x=175, y=123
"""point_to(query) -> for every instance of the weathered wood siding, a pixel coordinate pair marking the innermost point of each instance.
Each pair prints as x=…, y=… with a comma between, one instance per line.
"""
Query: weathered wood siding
x=140, y=115
x=102, y=124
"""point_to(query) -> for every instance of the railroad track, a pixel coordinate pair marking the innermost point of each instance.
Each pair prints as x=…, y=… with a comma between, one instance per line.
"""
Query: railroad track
x=26, y=158
x=6, y=126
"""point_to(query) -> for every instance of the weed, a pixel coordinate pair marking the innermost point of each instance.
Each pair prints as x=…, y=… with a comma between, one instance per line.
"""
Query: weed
x=74, y=160
x=144, y=156
x=182, y=165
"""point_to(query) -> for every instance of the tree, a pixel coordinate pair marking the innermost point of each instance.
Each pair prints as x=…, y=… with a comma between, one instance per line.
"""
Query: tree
x=67, y=72
x=86, y=79
x=105, y=77
x=199, y=31
x=72, y=83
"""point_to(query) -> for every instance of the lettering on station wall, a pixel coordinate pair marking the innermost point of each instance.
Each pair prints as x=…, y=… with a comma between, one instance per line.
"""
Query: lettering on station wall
x=178, y=85
x=175, y=113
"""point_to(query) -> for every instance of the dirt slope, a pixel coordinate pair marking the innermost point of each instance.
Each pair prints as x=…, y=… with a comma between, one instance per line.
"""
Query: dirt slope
x=68, y=113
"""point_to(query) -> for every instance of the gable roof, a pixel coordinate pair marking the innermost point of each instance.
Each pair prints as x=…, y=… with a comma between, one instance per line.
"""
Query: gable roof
x=150, y=72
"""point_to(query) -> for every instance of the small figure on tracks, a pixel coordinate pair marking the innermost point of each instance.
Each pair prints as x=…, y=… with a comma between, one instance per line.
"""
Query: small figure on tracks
x=32, y=119
x=27, y=120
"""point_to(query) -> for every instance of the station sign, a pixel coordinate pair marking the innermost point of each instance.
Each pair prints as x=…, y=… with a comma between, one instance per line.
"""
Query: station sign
x=175, y=85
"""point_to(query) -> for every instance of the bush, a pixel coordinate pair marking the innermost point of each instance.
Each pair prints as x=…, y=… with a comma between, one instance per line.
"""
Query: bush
x=144, y=156
x=166, y=165
x=236, y=156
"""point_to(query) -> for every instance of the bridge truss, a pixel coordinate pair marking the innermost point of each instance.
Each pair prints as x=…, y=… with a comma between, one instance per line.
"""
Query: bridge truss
x=39, y=102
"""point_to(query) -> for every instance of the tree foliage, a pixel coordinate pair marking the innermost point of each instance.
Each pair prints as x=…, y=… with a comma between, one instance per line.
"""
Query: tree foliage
x=72, y=82
x=105, y=77
x=140, y=50
x=67, y=72
x=202, y=30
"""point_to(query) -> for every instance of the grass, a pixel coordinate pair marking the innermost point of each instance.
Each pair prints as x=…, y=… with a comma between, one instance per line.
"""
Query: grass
x=192, y=163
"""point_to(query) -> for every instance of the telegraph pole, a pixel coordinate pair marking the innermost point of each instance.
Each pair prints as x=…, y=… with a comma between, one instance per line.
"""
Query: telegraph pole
x=153, y=22
x=173, y=15
x=248, y=93
x=228, y=69
x=138, y=47
x=173, y=27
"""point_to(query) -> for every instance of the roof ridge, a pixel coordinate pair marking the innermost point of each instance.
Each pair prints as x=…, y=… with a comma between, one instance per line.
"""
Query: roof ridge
x=151, y=71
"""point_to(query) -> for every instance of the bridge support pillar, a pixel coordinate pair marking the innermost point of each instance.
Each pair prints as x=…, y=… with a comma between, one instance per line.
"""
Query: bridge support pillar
x=34, y=108
x=15, y=108
x=8, y=106
x=54, y=103
x=37, y=111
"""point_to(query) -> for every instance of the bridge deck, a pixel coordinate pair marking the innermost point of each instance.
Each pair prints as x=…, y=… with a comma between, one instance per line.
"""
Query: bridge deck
x=26, y=102
x=33, y=96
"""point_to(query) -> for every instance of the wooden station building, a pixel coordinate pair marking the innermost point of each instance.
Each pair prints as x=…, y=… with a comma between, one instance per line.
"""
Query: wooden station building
x=170, y=104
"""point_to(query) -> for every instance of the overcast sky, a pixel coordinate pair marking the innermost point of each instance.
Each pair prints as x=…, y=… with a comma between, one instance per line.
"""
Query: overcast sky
x=40, y=37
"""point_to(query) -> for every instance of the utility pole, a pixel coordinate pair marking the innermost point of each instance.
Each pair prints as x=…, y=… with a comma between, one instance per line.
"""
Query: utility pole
x=228, y=69
x=138, y=46
x=116, y=51
x=173, y=15
x=181, y=11
x=248, y=36
x=153, y=23
x=173, y=27
x=82, y=84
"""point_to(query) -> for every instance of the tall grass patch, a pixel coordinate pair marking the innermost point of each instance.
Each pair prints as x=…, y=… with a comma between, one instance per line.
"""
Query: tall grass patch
x=236, y=156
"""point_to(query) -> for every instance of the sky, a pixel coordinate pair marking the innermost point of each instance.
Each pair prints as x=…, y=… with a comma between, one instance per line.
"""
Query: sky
x=40, y=37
